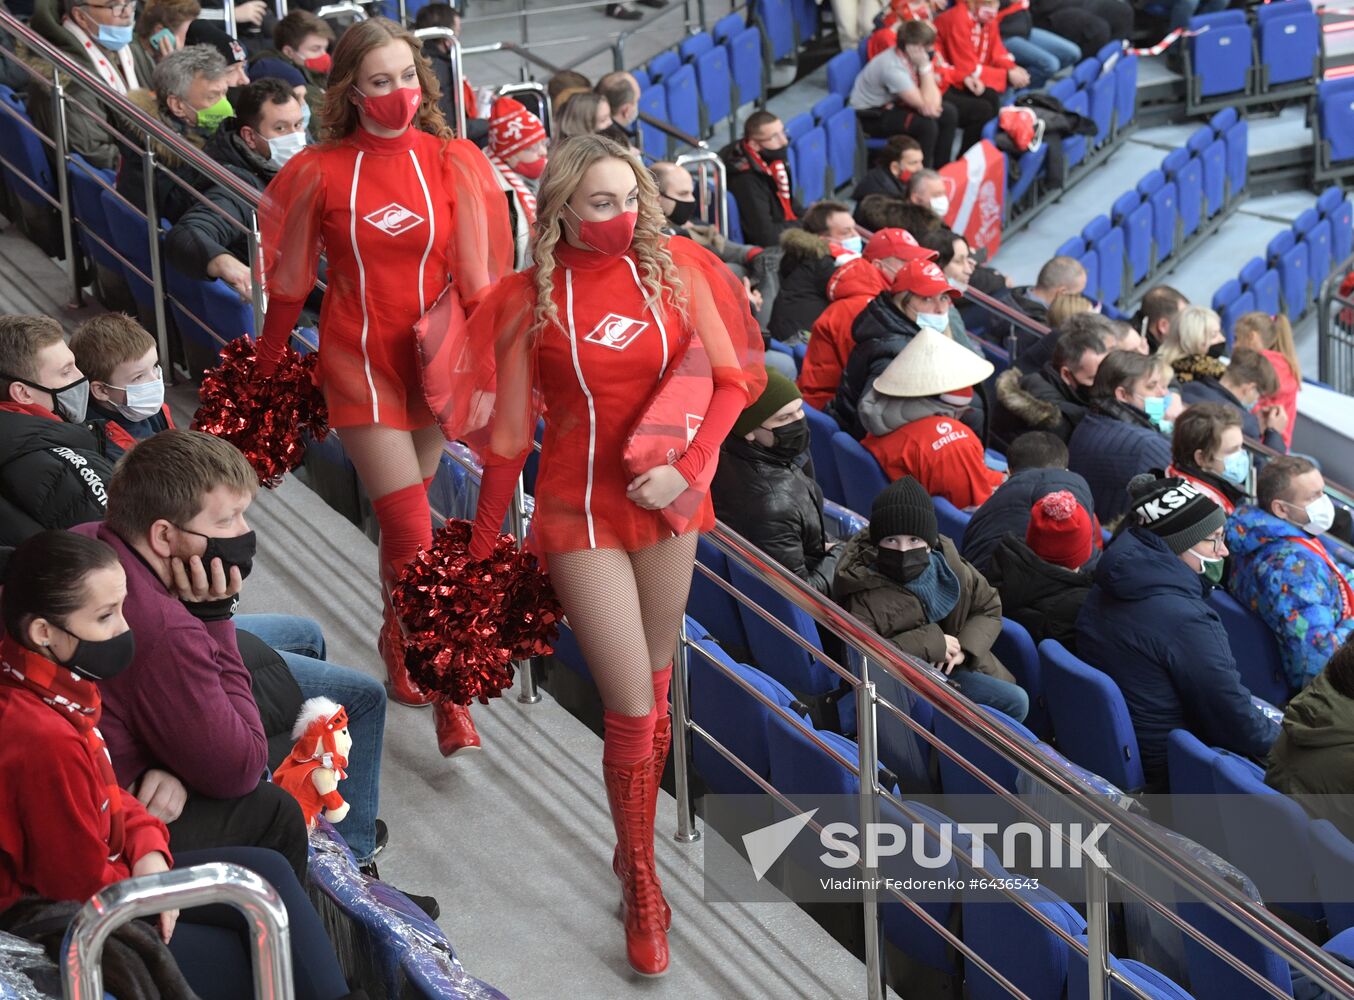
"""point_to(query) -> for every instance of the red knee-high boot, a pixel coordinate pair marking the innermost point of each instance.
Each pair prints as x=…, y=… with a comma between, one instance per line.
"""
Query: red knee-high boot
x=662, y=742
x=629, y=790
x=406, y=526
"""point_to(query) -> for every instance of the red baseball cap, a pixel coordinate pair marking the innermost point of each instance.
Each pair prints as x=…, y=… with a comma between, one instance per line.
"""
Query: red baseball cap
x=896, y=243
x=922, y=277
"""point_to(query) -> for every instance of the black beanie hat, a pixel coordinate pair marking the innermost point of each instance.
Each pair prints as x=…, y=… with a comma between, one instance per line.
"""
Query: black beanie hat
x=1174, y=509
x=904, y=508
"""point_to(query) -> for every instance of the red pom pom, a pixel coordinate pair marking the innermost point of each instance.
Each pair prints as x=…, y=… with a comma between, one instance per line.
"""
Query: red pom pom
x=264, y=418
x=466, y=620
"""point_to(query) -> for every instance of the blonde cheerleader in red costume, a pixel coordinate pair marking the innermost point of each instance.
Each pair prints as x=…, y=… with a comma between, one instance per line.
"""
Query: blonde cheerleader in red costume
x=400, y=209
x=587, y=335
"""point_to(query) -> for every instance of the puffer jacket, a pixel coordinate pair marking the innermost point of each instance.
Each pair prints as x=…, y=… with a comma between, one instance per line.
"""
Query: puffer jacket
x=1039, y=401
x=1007, y=511
x=1111, y=445
x=879, y=180
x=1314, y=754
x=1042, y=596
x=776, y=505
x=1148, y=624
x=897, y=614
x=1279, y=573
x=760, y=211
x=52, y=474
x=849, y=290
x=879, y=332
x=806, y=267
x=170, y=198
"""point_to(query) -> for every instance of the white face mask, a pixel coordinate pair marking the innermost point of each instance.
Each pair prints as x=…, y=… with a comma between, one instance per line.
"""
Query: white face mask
x=1320, y=515
x=938, y=322
x=283, y=147
x=144, y=399
x=940, y=205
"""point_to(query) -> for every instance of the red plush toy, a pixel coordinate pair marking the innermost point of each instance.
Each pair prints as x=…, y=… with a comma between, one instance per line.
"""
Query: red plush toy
x=315, y=765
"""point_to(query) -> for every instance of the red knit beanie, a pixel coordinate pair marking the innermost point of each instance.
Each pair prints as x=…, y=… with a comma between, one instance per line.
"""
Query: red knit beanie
x=513, y=128
x=1060, y=530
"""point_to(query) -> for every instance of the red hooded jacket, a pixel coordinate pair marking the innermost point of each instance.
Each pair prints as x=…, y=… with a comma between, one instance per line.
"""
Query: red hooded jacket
x=969, y=45
x=849, y=291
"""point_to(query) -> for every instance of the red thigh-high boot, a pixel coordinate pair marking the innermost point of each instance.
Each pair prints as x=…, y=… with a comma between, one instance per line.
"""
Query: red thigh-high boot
x=406, y=526
x=662, y=742
x=627, y=767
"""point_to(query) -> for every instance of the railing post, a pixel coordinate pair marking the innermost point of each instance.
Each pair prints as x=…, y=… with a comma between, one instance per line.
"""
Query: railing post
x=1097, y=930
x=681, y=740
x=869, y=815
x=63, y=189
x=256, y=271
x=522, y=23
x=228, y=8
x=110, y=908
x=404, y=14
x=157, y=276
x=526, y=691
x=457, y=84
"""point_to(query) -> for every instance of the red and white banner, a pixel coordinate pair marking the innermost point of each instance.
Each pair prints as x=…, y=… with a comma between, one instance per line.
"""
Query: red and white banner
x=976, y=186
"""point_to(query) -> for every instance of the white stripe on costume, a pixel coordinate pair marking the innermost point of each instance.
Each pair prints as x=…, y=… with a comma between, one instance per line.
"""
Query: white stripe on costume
x=362, y=287
x=656, y=313
x=432, y=230
x=587, y=393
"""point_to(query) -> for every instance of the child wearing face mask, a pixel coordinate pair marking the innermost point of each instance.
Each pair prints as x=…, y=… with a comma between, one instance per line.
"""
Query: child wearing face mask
x=126, y=384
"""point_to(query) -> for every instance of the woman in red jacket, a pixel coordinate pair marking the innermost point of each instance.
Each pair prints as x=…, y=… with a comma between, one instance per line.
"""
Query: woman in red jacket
x=587, y=335
x=67, y=830
x=400, y=209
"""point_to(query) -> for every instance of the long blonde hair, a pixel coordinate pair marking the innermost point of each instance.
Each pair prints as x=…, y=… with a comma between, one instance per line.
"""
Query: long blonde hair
x=1264, y=332
x=569, y=161
x=338, y=117
x=1188, y=335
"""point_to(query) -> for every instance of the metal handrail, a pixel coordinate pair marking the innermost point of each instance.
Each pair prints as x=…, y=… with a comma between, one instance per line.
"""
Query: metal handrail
x=703, y=161
x=457, y=69
x=1327, y=302
x=115, y=905
x=1009, y=314
x=547, y=113
x=513, y=47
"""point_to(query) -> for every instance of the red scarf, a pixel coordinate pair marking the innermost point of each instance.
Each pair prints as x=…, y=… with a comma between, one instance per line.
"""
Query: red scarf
x=1346, y=591
x=780, y=173
x=77, y=700
x=514, y=180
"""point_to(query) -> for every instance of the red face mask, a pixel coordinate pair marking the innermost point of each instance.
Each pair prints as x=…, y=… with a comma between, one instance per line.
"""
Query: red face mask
x=319, y=64
x=532, y=169
x=394, y=110
x=610, y=238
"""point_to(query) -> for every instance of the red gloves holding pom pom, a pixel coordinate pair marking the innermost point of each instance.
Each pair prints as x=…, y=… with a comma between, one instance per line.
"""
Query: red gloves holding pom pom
x=467, y=619
x=263, y=413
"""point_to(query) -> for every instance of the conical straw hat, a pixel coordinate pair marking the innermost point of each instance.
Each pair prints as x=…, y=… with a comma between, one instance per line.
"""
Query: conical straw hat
x=930, y=364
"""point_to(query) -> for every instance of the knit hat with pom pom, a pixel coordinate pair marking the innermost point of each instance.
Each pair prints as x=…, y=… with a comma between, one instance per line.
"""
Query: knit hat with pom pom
x=1060, y=531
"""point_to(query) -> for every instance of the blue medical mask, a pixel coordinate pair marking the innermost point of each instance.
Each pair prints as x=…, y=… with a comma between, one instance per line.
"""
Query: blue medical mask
x=853, y=244
x=1236, y=467
x=939, y=322
x=1155, y=408
x=115, y=36
x=305, y=116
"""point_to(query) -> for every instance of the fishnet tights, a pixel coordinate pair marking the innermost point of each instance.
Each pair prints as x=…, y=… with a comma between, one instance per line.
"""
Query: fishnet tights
x=625, y=609
x=388, y=459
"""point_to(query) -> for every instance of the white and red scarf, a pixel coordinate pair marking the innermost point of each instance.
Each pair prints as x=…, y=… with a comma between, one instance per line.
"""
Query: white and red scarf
x=525, y=197
x=121, y=83
x=780, y=173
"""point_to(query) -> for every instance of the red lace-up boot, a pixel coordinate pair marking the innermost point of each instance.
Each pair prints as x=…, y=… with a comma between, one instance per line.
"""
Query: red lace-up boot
x=629, y=792
x=390, y=643
x=662, y=741
x=456, y=731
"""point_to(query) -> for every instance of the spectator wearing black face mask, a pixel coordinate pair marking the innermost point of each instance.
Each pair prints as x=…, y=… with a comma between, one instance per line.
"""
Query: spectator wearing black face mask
x=764, y=487
x=760, y=181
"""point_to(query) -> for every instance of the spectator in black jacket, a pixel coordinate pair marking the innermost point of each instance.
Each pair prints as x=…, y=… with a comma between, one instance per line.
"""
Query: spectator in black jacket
x=1038, y=466
x=1044, y=577
x=808, y=258
x=759, y=179
x=1249, y=377
x=266, y=131
x=898, y=161
x=1060, y=275
x=53, y=469
x=126, y=384
x=1156, y=312
x=438, y=51
x=1091, y=24
x=1053, y=398
x=764, y=487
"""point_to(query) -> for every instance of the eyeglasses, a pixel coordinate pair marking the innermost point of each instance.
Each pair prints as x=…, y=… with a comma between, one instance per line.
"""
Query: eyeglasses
x=120, y=7
x=1216, y=541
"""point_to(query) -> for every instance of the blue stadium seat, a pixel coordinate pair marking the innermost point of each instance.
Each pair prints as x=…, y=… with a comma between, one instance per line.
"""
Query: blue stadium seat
x=806, y=20
x=1238, y=155
x=862, y=478
x=1289, y=38
x=955, y=779
x=93, y=230
x=1188, y=175
x=1319, y=261
x=1279, y=245
x=694, y=45
x=712, y=605
x=715, y=85
x=224, y=312
x=1212, y=977
x=642, y=78
x=1135, y=218
x=735, y=225
x=1251, y=271
x=810, y=165
x=1335, y=118
x=1238, y=307
x=901, y=927
x=777, y=21
x=1254, y=647
x=184, y=299
x=1330, y=200
x=1108, y=242
x=654, y=102
x=821, y=429
x=1333, y=862
x=1306, y=222
x=801, y=767
x=1267, y=291
x=684, y=109
x=1126, y=90
x=843, y=146
x=1213, y=159
x=1152, y=983
x=733, y=716
x=842, y=70
x=798, y=126
x=1086, y=72
x=1108, y=51
x=26, y=151
x=826, y=107
x=1103, y=92
x=1016, y=649
x=1222, y=121
x=128, y=228
x=1090, y=717
x=1294, y=274
x=1189, y=767
x=1228, y=292
x=727, y=27
x=1090, y=260
x=950, y=520
x=1342, y=231
x=1075, y=147
x=1161, y=194
x=745, y=61
x=1220, y=55
x=1074, y=246
x=663, y=64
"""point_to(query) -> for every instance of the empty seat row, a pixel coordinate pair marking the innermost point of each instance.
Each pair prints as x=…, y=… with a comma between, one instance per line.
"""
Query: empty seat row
x=1277, y=56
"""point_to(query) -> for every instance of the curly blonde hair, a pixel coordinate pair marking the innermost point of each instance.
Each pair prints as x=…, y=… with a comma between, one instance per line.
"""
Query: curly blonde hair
x=569, y=161
x=338, y=118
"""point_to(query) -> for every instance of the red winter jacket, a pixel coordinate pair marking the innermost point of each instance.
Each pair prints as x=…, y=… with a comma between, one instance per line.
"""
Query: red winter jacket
x=968, y=45
x=849, y=291
x=53, y=827
x=941, y=454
